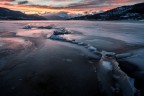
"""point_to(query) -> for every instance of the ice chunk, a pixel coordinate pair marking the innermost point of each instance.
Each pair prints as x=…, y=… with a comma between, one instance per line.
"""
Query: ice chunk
x=108, y=54
x=107, y=65
x=87, y=45
x=61, y=32
x=57, y=37
x=91, y=48
x=75, y=42
x=27, y=27
x=82, y=44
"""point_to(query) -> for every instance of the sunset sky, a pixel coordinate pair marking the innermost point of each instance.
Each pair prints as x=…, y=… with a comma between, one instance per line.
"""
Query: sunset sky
x=69, y=6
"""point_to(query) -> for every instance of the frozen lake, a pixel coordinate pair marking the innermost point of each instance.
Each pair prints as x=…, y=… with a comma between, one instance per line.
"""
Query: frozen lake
x=37, y=61
x=111, y=36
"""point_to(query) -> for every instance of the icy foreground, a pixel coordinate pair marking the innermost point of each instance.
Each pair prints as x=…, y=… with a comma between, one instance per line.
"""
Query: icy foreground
x=47, y=57
x=112, y=79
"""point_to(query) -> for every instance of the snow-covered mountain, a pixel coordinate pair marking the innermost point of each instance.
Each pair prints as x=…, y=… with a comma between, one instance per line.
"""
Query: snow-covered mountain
x=60, y=15
x=7, y=14
x=131, y=12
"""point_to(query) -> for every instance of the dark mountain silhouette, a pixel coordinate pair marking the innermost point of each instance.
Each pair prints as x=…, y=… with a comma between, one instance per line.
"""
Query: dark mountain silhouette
x=7, y=14
x=131, y=12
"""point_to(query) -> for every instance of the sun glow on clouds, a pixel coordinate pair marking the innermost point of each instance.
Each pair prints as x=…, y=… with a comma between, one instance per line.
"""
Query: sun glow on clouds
x=71, y=6
x=52, y=3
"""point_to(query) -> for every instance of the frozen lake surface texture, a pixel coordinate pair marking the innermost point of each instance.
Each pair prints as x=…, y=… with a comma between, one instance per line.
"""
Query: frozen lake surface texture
x=71, y=58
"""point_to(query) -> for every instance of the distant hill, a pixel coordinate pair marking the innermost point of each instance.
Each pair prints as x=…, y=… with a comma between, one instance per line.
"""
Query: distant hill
x=131, y=12
x=7, y=14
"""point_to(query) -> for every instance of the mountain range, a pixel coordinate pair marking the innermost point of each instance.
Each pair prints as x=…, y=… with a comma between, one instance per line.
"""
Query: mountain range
x=7, y=14
x=130, y=12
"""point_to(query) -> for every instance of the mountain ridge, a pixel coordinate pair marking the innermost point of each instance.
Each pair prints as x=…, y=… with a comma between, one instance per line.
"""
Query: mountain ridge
x=130, y=12
x=7, y=14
